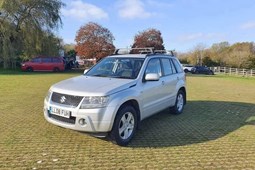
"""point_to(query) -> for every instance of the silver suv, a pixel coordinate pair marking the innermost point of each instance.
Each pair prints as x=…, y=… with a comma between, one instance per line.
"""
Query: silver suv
x=116, y=94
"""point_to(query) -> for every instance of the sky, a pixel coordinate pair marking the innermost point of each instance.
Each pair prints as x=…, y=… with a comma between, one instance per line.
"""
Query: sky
x=184, y=24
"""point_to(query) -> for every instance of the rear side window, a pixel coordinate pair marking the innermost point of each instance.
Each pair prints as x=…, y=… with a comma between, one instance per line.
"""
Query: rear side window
x=177, y=66
x=46, y=60
x=56, y=60
x=173, y=67
x=167, y=66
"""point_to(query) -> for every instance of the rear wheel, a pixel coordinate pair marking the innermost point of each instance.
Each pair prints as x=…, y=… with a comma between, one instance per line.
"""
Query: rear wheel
x=124, y=126
x=179, y=103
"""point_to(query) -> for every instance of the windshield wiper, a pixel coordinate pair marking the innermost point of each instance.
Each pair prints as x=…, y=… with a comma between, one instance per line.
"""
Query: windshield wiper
x=99, y=75
x=122, y=77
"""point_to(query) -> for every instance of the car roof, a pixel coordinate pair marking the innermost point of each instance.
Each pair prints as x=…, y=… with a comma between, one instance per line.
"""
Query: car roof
x=140, y=55
x=129, y=56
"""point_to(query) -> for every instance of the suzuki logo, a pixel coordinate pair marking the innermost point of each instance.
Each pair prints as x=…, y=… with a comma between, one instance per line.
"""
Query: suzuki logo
x=63, y=99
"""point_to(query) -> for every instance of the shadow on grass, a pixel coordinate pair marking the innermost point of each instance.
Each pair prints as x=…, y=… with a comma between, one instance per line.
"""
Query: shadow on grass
x=201, y=121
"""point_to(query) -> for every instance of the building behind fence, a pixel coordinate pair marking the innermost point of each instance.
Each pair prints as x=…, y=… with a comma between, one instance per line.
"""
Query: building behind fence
x=234, y=71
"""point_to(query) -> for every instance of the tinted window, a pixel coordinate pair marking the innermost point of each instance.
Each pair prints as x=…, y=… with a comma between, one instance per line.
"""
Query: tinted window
x=46, y=60
x=56, y=60
x=36, y=60
x=177, y=66
x=154, y=66
x=173, y=67
x=167, y=66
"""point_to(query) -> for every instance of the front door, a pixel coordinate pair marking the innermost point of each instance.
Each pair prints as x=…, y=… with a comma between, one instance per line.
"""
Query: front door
x=152, y=91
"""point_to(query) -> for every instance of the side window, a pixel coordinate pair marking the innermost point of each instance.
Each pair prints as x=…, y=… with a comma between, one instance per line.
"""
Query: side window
x=46, y=60
x=173, y=67
x=167, y=66
x=55, y=60
x=177, y=66
x=154, y=66
x=36, y=60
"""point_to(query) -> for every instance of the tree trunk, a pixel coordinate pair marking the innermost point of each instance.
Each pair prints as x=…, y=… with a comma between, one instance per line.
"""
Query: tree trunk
x=6, y=63
x=6, y=53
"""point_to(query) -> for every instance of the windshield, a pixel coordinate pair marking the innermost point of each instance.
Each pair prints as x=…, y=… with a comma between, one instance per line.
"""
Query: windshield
x=115, y=67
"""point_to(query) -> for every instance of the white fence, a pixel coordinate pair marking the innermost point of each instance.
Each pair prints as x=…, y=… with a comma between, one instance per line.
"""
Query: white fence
x=234, y=71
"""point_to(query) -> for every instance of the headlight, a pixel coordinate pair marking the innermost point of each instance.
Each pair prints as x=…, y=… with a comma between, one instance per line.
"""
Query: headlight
x=94, y=102
x=23, y=64
x=47, y=97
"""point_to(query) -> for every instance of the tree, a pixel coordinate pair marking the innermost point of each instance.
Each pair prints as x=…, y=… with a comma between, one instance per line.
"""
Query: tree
x=219, y=52
x=70, y=50
x=69, y=47
x=94, y=41
x=24, y=25
x=240, y=55
x=149, y=38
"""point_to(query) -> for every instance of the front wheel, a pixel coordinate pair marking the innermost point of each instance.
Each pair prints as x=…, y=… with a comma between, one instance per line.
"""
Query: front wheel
x=56, y=69
x=124, y=126
x=179, y=103
x=30, y=69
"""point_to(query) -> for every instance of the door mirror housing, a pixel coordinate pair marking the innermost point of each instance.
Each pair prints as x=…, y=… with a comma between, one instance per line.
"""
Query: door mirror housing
x=152, y=77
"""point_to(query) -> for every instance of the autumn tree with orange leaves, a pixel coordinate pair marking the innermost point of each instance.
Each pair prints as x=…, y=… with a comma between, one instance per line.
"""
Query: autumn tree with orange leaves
x=149, y=38
x=94, y=41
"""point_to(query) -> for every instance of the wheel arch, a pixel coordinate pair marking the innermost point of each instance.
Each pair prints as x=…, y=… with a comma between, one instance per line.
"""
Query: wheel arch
x=185, y=95
x=30, y=69
x=56, y=69
x=136, y=106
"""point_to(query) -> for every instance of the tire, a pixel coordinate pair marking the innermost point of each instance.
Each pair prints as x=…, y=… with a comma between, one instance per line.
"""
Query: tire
x=30, y=69
x=124, y=126
x=186, y=70
x=56, y=69
x=179, y=103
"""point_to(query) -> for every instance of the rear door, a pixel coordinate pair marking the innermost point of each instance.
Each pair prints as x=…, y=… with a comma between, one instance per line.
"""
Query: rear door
x=169, y=82
x=46, y=64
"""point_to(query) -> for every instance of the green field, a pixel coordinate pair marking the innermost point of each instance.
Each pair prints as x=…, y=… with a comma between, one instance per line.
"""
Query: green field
x=216, y=130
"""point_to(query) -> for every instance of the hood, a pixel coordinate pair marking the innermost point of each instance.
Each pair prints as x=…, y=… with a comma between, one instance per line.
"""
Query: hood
x=92, y=86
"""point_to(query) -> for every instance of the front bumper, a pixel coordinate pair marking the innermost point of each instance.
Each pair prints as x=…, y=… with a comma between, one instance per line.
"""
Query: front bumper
x=86, y=120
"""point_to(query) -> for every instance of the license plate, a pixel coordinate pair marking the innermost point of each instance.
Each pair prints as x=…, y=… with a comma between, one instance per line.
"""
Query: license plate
x=60, y=112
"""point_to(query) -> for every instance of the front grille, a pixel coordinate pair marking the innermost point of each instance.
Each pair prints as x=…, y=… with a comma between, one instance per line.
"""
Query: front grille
x=65, y=99
x=70, y=120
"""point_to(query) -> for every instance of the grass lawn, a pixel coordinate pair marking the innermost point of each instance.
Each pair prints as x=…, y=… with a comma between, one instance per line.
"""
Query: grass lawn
x=216, y=130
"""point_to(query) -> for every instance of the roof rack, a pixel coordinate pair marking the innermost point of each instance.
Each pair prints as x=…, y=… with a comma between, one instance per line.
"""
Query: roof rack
x=160, y=51
x=170, y=52
x=145, y=50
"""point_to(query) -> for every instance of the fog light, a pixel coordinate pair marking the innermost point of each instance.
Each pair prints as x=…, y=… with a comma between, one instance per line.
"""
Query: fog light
x=82, y=122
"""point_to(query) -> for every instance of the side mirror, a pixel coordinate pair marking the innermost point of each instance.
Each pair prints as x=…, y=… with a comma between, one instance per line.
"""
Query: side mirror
x=152, y=77
x=85, y=71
